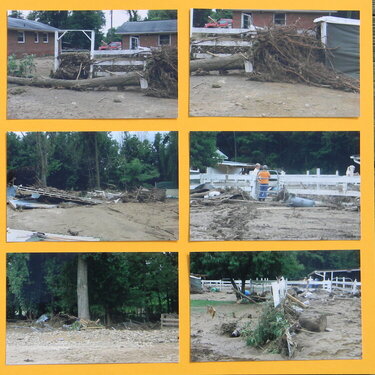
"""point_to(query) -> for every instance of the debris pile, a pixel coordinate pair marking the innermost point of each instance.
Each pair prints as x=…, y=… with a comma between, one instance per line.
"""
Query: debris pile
x=285, y=54
x=214, y=196
x=161, y=73
x=73, y=66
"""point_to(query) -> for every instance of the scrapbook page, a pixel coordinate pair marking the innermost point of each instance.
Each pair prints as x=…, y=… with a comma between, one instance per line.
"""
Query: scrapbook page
x=188, y=188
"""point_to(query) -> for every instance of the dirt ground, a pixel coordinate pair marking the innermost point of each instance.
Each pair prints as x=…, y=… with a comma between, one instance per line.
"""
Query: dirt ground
x=343, y=341
x=32, y=345
x=154, y=221
x=268, y=221
x=239, y=97
x=26, y=102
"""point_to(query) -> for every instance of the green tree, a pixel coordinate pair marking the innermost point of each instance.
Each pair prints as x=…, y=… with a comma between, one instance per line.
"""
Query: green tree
x=134, y=16
x=245, y=265
x=200, y=17
x=163, y=14
x=111, y=36
x=216, y=14
x=15, y=14
x=203, y=150
x=58, y=18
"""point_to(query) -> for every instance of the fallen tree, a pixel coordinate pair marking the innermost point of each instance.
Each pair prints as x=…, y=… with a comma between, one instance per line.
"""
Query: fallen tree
x=129, y=79
x=283, y=54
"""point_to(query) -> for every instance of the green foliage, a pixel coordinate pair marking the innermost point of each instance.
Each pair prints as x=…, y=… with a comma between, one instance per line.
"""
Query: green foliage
x=15, y=14
x=295, y=152
x=221, y=13
x=23, y=67
x=163, y=14
x=74, y=20
x=112, y=36
x=133, y=15
x=121, y=285
x=200, y=17
x=86, y=160
x=271, y=326
x=203, y=151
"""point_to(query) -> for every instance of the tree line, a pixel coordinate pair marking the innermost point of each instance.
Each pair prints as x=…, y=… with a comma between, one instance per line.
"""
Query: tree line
x=87, y=160
x=293, y=265
x=112, y=287
x=294, y=152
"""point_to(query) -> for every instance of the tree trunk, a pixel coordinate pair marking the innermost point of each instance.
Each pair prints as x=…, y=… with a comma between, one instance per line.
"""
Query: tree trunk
x=129, y=79
x=82, y=289
x=218, y=63
x=42, y=152
x=97, y=169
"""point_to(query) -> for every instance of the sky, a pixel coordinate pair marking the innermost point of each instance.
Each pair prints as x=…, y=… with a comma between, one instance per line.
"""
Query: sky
x=119, y=17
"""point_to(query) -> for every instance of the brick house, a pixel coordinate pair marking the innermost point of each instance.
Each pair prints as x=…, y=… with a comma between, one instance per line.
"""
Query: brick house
x=243, y=18
x=148, y=34
x=30, y=37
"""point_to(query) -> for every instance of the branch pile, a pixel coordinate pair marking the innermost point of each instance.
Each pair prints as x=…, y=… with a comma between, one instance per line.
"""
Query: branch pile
x=73, y=66
x=283, y=54
x=161, y=73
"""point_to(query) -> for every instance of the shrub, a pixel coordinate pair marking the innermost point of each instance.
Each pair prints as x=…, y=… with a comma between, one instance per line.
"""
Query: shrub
x=23, y=67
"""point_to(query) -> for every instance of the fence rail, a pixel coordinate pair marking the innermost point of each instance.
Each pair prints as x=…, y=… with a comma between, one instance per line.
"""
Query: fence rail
x=167, y=320
x=338, y=283
x=307, y=184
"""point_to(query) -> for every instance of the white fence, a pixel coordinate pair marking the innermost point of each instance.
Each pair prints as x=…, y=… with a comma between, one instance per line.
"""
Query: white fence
x=119, y=62
x=307, y=184
x=260, y=285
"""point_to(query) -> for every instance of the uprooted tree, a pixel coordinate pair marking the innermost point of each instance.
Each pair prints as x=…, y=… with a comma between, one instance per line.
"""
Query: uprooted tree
x=283, y=54
x=161, y=74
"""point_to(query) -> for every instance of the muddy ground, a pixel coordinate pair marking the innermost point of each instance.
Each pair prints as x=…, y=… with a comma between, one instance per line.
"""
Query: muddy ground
x=153, y=221
x=26, y=102
x=342, y=341
x=249, y=221
x=27, y=345
x=239, y=97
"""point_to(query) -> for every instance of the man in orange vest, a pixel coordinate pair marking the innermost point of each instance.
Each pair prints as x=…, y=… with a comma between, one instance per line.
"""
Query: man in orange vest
x=263, y=179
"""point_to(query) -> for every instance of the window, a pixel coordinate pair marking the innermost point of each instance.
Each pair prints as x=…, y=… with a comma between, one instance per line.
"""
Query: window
x=279, y=19
x=246, y=21
x=164, y=39
x=45, y=37
x=134, y=42
x=20, y=37
x=36, y=37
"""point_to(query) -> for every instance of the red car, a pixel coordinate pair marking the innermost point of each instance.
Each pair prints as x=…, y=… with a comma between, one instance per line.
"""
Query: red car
x=222, y=22
x=110, y=46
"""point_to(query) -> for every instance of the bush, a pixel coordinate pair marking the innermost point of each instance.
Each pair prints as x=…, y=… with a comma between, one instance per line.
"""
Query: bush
x=271, y=326
x=23, y=67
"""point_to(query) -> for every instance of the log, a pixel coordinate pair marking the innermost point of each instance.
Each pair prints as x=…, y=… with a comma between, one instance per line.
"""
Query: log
x=129, y=79
x=314, y=323
x=297, y=301
x=236, y=61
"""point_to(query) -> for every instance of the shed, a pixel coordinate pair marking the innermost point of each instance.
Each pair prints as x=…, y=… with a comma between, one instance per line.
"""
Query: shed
x=148, y=34
x=341, y=36
x=30, y=37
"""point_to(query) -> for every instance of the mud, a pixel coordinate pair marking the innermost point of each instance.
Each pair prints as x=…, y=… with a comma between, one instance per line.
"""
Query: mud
x=238, y=97
x=26, y=102
x=267, y=221
x=30, y=345
x=342, y=341
x=154, y=221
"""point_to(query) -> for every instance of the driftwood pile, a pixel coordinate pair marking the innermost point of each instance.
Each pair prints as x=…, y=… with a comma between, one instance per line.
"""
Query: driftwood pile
x=161, y=73
x=143, y=195
x=283, y=54
x=73, y=66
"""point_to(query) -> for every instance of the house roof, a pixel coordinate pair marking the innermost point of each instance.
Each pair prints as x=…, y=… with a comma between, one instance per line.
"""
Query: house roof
x=28, y=25
x=148, y=27
x=338, y=20
x=286, y=11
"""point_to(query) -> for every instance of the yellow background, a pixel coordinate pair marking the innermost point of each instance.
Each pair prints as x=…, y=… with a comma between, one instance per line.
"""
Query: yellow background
x=184, y=124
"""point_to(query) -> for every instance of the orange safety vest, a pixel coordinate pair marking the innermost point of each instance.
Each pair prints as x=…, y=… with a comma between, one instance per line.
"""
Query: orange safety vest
x=264, y=177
